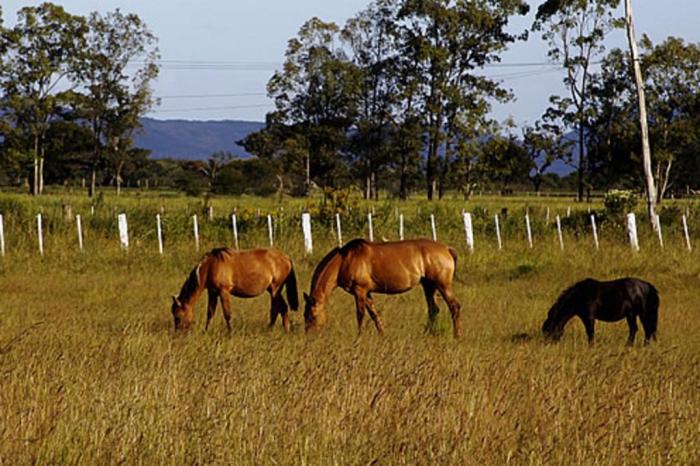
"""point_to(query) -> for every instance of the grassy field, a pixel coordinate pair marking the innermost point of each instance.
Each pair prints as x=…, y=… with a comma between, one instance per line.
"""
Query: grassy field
x=91, y=371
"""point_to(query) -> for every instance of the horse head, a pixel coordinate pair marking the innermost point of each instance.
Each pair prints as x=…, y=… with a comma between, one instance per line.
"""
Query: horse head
x=314, y=313
x=183, y=314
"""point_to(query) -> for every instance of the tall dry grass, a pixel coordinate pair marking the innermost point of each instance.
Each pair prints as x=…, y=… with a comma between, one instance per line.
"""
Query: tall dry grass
x=91, y=371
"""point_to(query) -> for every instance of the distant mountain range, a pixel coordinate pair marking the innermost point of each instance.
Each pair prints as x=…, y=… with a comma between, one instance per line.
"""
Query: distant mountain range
x=194, y=140
x=198, y=140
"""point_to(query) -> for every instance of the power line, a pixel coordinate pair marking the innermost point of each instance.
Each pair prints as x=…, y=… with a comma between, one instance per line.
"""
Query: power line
x=198, y=109
x=201, y=96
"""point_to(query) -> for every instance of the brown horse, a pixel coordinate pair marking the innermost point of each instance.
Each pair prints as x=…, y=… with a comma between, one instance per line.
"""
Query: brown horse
x=361, y=267
x=245, y=274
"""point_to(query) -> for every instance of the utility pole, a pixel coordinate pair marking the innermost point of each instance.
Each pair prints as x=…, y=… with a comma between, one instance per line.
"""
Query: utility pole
x=639, y=83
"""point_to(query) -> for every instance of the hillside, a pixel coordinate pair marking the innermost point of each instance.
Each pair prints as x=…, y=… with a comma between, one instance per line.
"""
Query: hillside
x=189, y=139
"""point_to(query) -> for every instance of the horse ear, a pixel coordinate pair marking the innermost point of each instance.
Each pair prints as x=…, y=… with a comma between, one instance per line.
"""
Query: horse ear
x=176, y=301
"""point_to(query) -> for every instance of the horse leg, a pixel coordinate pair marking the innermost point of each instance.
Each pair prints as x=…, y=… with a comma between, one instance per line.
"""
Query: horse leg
x=374, y=315
x=632, y=323
x=589, y=324
x=211, y=306
x=433, y=309
x=360, y=305
x=226, y=306
x=282, y=309
x=273, y=310
x=455, y=308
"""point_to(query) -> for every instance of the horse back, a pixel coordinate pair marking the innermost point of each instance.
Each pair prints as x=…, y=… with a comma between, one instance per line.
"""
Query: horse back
x=249, y=272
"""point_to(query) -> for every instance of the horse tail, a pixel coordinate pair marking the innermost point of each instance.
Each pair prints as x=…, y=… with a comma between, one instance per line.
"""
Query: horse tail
x=291, y=284
x=453, y=253
x=652, y=310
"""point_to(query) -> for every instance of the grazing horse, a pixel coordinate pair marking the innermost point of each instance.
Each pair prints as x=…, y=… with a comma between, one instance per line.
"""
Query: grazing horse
x=245, y=274
x=607, y=301
x=361, y=268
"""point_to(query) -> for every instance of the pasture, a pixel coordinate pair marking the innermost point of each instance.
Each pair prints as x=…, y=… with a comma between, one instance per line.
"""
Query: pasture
x=92, y=372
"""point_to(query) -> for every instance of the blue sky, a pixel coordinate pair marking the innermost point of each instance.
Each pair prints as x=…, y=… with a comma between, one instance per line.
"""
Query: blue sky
x=236, y=45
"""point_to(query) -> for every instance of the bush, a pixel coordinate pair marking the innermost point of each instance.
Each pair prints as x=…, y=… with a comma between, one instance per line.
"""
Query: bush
x=620, y=201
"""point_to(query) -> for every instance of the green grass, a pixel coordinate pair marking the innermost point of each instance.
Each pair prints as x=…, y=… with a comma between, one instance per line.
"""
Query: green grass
x=91, y=371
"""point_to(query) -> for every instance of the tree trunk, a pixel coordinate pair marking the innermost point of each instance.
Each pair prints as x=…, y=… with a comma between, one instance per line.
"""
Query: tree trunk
x=639, y=84
x=41, y=175
x=93, y=182
x=120, y=166
x=35, y=181
x=582, y=166
x=307, y=181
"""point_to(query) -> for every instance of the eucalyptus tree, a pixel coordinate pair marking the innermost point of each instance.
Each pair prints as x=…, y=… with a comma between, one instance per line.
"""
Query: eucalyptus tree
x=41, y=52
x=544, y=143
x=574, y=31
x=445, y=43
x=117, y=65
x=315, y=94
x=371, y=39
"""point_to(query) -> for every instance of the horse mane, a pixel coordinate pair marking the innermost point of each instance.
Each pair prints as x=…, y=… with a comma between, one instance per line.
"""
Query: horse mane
x=322, y=265
x=353, y=245
x=191, y=285
x=564, y=297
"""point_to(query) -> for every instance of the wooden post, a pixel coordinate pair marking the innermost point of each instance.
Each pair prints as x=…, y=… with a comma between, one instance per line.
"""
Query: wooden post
x=306, y=229
x=401, y=227
x=123, y=231
x=2, y=236
x=498, y=233
x=632, y=231
x=595, y=232
x=468, y=231
x=80, y=231
x=369, y=225
x=159, y=231
x=685, y=231
x=529, y=231
x=338, y=229
x=561, y=238
x=195, y=230
x=40, y=234
x=432, y=226
x=234, y=225
x=270, y=230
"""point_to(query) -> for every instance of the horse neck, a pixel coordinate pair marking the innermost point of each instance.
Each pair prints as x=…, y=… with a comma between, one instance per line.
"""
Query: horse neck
x=327, y=279
x=194, y=285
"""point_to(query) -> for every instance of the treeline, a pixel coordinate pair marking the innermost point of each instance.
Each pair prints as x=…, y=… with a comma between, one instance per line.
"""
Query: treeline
x=397, y=100
x=72, y=92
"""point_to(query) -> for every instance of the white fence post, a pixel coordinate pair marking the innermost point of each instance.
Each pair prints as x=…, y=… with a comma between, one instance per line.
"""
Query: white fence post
x=498, y=233
x=468, y=231
x=529, y=230
x=306, y=229
x=401, y=227
x=685, y=231
x=339, y=230
x=595, y=232
x=211, y=213
x=78, y=223
x=369, y=225
x=159, y=231
x=561, y=238
x=234, y=225
x=632, y=231
x=195, y=230
x=2, y=237
x=269, y=229
x=657, y=227
x=40, y=234
x=123, y=231
x=568, y=212
x=546, y=216
x=432, y=226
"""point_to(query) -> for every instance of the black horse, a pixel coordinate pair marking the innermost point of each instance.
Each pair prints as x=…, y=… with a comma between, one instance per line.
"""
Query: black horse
x=608, y=301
